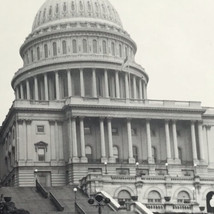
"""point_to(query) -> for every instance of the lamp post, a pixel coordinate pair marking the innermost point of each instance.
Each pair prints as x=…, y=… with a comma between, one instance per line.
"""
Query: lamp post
x=167, y=172
x=75, y=194
x=137, y=166
x=36, y=172
x=101, y=201
x=105, y=164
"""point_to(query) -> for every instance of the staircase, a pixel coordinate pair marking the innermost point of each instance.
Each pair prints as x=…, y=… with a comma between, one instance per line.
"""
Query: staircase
x=29, y=199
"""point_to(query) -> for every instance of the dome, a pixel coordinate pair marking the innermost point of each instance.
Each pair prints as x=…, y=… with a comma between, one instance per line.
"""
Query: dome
x=65, y=11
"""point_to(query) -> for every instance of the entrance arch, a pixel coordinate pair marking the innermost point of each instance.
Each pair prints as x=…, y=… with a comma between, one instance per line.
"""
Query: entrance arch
x=210, y=204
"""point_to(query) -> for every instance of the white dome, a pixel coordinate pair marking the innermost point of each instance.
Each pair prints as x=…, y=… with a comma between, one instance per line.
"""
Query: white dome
x=68, y=11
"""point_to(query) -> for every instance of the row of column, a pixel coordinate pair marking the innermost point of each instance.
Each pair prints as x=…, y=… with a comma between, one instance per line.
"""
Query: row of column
x=135, y=87
x=73, y=140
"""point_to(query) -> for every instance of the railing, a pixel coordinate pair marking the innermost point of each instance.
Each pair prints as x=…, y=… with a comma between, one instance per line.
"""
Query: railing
x=79, y=209
x=182, y=206
x=56, y=203
x=155, y=206
x=41, y=189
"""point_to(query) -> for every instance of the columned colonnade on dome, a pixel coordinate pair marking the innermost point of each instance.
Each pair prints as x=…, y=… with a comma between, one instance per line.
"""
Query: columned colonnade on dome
x=58, y=85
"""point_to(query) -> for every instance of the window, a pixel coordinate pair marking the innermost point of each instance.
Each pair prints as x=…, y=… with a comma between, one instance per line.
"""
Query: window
x=116, y=153
x=54, y=49
x=88, y=153
x=115, y=131
x=46, y=50
x=94, y=46
x=74, y=44
x=41, y=154
x=113, y=48
x=104, y=47
x=85, y=49
x=38, y=53
x=32, y=57
x=124, y=198
x=120, y=50
x=154, y=197
x=134, y=131
x=154, y=153
x=135, y=153
x=183, y=197
x=87, y=130
x=41, y=149
x=40, y=129
x=180, y=153
x=64, y=47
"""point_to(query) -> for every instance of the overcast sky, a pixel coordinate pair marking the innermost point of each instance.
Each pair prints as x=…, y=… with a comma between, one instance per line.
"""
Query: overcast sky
x=175, y=40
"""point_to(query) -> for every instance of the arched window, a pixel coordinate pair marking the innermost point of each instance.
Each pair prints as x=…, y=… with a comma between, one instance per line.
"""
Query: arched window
x=120, y=50
x=154, y=153
x=94, y=46
x=135, y=153
x=104, y=47
x=38, y=53
x=32, y=57
x=46, y=50
x=64, y=47
x=124, y=198
x=88, y=153
x=116, y=153
x=154, y=197
x=74, y=44
x=183, y=197
x=54, y=49
x=113, y=48
x=180, y=153
x=84, y=44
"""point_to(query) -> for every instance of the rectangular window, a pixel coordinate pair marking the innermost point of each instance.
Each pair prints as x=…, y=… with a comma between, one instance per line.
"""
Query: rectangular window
x=134, y=131
x=115, y=131
x=40, y=129
x=41, y=154
x=87, y=130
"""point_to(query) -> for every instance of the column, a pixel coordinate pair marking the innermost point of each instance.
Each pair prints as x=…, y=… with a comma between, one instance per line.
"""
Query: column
x=110, y=141
x=200, y=138
x=28, y=89
x=210, y=153
x=94, y=83
x=36, y=93
x=130, y=145
x=70, y=140
x=74, y=139
x=46, y=87
x=127, y=85
x=175, y=140
x=134, y=87
x=69, y=83
x=102, y=139
x=82, y=85
x=57, y=85
x=17, y=92
x=168, y=146
x=149, y=142
x=106, y=83
x=82, y=140
x=53, y=142
x=22, y=91
x=29, y=149
x=144, y=91
x=140, y=89
x=194, y=149
x=117, y=84
x=56, y=139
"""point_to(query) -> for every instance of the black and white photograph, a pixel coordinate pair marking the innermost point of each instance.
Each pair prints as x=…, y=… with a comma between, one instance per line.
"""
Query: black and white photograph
x=107, y=106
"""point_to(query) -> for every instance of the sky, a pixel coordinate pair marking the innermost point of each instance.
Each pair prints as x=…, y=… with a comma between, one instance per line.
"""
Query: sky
x=175, y=40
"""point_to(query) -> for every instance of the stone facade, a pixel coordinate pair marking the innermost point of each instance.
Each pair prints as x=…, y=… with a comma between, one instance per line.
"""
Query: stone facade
x=81, y=115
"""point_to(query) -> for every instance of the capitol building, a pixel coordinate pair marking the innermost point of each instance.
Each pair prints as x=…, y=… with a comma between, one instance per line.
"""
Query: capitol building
x=81, y=116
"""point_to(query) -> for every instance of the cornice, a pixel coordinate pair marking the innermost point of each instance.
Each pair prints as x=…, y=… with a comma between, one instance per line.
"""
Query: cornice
x=64, y=63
